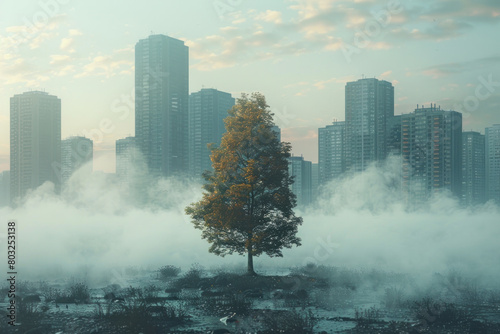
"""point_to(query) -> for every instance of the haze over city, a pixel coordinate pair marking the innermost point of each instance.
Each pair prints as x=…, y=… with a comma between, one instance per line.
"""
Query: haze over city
x=291, y=51
x=386, y=204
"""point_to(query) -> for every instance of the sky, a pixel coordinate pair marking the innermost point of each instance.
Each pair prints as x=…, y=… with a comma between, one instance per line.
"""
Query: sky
x=298, y=53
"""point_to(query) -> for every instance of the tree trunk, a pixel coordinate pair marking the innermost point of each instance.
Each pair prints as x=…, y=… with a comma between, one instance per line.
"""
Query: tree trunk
x=250, y=271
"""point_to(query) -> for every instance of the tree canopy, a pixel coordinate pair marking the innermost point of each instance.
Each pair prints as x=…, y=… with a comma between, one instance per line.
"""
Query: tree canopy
x=247, y=206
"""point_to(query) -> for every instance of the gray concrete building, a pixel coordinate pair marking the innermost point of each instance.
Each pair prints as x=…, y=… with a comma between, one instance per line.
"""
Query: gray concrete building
x=207, y=110
x=492, y=138
x=369, y=104
x=35, y=142
x=76, y=152
x=431, y=152
x=473, y=168
x=301, y=170
x=331, y=152
x=126, y=158
x=161, y=104
x=4, y=188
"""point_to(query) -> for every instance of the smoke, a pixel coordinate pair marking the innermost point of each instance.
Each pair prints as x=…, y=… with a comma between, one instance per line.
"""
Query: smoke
x=99, y=224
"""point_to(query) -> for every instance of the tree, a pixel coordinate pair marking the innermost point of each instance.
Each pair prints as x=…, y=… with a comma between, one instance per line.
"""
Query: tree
x=247, y=206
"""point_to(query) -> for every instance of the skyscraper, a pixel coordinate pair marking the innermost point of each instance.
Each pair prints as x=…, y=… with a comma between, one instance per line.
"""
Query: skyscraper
x=394, y=135
x=369, y=103
x=76, y=152
x=277, y=130
x=207, y=110
x=161, y=104
x=314, y=180
x=473, y=168
x=35, y=142
x=331, y=151
x=492, y=137
x=126, y=156
x=4, y=188
x=431, y=152
x=301, y=170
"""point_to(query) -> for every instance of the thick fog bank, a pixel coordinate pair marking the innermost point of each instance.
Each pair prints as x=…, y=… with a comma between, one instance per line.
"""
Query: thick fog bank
x=362, y=221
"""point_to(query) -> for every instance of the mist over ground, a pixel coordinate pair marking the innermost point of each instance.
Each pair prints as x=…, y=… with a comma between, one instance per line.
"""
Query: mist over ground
x=361, y=221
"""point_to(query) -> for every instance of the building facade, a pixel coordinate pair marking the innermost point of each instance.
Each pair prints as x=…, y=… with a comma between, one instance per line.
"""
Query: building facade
x=4, y=188
x=35, y=142
x=301, y=170
x=492, y=138
x=331, y=152
x=473, y=168
x=431, y=152
x=369, y=104
x=207, y=110
x=126, y=158
x=394, y=135
x=76, y=152
x=161, y=104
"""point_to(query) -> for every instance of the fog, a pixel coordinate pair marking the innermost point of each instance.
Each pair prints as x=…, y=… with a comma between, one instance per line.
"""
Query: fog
x=361, y=221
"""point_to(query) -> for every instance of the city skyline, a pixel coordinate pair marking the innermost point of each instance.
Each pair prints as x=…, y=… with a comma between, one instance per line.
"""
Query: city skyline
x=305, y=49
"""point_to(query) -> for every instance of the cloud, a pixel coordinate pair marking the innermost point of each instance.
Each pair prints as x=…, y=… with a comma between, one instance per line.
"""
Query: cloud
x=385, y=74
x=270, y=16
x=59, y=59
x=75, y=32
x=247, y=45
x=443, y=70
x=322, y=83
x=106, y=66
x=66, y=43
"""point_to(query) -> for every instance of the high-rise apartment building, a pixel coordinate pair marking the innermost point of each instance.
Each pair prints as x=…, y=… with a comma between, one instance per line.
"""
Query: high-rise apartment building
x=301, y=170
x=492, y=138
x=35, y=142
x=431, y=152
x=207, y=110
x=161, y=104
x=331, y=152
x=394, y=135
x=277, y=131
x=369, y=104
x=4, y=188
x=473, y=168
x=76, y=152
x=126, y=158
x=314, y=180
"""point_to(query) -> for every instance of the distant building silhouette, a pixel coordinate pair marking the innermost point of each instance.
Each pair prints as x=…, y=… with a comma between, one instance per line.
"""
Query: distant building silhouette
x=394, y=135
x=126, y=157
x=301, y=170
x=431, y=152
x=75, y=153
x=492, y=137
x=331, y=152
x=35, y=142
x=369, y=105
x=5, y=188
x=161, y=104
x=473, y=168
x=277, y=130
x=314, y=180
x=207, y=110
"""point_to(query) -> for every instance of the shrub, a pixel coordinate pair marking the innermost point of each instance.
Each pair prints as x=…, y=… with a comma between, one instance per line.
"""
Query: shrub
x=79, y=292
x=169, y=271
x=191, y=279
x=438, y=314
x=368, y=316
x=394, y=298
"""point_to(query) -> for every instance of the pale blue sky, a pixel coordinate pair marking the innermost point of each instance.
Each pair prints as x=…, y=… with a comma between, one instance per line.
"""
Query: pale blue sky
x=298, y=53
